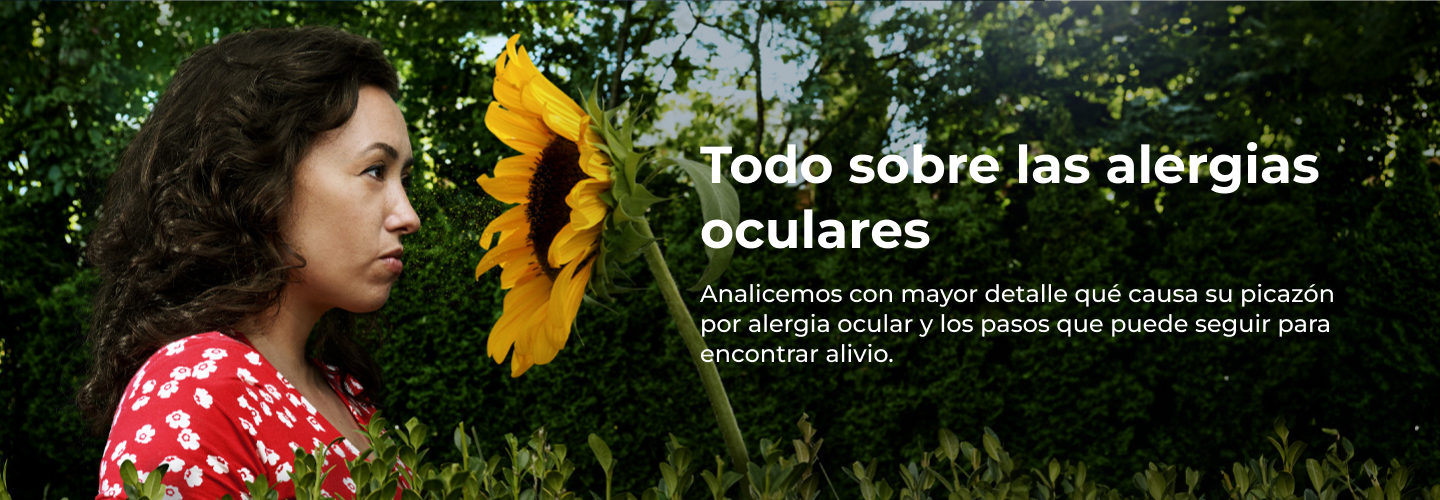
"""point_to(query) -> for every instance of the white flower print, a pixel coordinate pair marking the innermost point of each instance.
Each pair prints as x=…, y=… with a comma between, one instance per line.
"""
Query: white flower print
x=202, y=398
x=283, y=380
x=282, y=473
x=353, y=450
x=102, y=471
x=308, y=407
x=149, y=386
x=273, y=391
x=267, y=455
x=248, y=426
x=128, y=457
x=113, y=490
x=189, y=439
x=203, y=369
x=244, y=403
x=285, y=420
x=119, y=448
x=169, y=388
x=245, y=375
x=142, y=475
x=140, y=403
x=294, y=401
x=314, y=423
x=139, y=377
x=349, y=483
x=253, y=358
x=215, y=354
x=252, y=394
x=175, y=347
x=337, y=450
x=267, y=397
x=145, y=434
x=194, y=476
x=294, y=446
x=172, y=493
x=256, y=415
x=178, y=419
x=288, y=414
x=218, y=464
x=266, y=407
x=180, y=373
x=174, y=462
x=245, y=475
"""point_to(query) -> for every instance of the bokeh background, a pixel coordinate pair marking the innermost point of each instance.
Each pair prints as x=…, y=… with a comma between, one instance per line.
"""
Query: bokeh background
x=1351, y=83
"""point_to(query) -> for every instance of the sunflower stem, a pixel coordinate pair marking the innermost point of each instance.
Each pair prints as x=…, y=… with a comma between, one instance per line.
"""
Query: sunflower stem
x=709, y=375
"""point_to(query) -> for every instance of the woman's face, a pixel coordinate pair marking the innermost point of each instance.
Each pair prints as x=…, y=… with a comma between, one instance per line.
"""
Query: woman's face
x=350, y=209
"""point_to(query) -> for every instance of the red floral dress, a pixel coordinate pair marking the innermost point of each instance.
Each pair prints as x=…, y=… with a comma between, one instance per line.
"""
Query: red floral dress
x=219, y=414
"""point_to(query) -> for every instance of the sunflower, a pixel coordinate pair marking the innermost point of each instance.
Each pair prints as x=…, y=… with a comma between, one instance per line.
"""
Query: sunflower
x=548, y=244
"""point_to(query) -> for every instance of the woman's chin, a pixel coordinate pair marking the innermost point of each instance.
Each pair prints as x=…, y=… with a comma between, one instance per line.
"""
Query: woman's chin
x=369, y=304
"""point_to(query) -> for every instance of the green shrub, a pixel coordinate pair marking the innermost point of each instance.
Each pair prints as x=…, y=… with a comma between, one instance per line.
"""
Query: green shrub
x=538, y=469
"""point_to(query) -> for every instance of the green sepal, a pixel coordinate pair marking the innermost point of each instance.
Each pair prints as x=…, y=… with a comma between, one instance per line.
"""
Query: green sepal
x=630, y=201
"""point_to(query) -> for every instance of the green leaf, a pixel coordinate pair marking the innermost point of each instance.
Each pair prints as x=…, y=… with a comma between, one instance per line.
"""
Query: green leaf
x=950, y=444
x=1285, y=485
x=939, y=478
x=1318, y=478
x=992, y=447
x=718, y=201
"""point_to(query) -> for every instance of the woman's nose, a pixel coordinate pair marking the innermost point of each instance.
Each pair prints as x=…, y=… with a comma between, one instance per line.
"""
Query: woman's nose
x=403, y=218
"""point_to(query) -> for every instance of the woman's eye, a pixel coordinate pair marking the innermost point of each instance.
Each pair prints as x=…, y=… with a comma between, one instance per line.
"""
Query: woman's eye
x=376, y=171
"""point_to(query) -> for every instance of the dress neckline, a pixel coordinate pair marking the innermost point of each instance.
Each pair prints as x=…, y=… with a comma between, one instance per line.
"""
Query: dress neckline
x=332, y=378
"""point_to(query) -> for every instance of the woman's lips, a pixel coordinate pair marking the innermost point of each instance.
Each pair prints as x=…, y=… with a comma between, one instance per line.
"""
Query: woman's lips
x=393, y=264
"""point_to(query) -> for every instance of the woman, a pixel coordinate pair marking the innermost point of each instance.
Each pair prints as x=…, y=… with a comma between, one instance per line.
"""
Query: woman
x=257, y=211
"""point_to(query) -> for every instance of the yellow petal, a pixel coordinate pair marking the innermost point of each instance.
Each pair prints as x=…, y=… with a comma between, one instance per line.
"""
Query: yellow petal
x=515, y=272
x=506, y=189
x=562, y=238
x=521, y=306
x=508, y=223
x=517, y=166
x=587, y=209
x=561, y=113
x=565, y=298
x=595, y=163
x=542, y=346
x=519, y=69
x=506, y=251
x=575, y=246
x=519, y=365
x=525, y=134
x=590, y=214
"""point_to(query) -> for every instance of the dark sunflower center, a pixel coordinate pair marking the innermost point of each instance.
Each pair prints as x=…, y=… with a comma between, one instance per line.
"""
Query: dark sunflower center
x=555, y=174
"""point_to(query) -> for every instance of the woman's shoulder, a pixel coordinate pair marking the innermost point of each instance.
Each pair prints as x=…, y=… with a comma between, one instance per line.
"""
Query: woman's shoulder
x=201, y=346
x=202, y=369
x=209, y=405
x=198, y=360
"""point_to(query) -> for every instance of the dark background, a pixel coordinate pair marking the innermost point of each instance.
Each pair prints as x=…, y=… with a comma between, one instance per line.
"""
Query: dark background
x=1349, y=82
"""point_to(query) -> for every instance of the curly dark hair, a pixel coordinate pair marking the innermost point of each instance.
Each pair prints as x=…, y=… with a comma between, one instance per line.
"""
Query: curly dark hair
x=188, y=238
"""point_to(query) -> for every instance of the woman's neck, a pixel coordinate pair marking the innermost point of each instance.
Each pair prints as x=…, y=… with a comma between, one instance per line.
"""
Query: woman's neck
x=280, y=335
